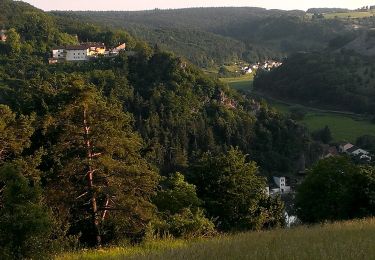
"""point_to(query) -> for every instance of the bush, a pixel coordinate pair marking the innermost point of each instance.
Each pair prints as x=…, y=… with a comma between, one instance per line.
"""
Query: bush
x=297, y=113
x=179, y=212
x=185, y=224
x=336, y=189
x=323, y=135
x=25, y=223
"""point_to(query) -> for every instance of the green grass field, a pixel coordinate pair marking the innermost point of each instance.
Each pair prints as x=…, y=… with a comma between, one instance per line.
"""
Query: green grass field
x=342, y=240
x=243, y=83
x=343, y=127
x=352, y=15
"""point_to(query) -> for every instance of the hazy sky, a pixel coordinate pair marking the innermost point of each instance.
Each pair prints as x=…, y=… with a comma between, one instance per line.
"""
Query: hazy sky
x=165, y=4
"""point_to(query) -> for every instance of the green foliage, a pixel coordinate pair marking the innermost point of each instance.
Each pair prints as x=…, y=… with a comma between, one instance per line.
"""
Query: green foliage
x=180, y=214
x=13, y=43
x=98, y=132
x=25, y=223
x=94, y=138
x=14, y=133
x=337, y=81
x=251, y=34
x=187, y=223
x=278, y=143
x=233, y=192
x=297, y=113
x=336, y=189
x=366, y=142
x=323, y=135
x=176, y=194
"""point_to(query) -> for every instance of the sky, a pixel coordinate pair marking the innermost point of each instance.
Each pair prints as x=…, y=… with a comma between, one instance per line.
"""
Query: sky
x=131, y=5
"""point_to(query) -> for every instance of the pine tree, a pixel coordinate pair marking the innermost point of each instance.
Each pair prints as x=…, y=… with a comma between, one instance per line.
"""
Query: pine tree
x=102, y=176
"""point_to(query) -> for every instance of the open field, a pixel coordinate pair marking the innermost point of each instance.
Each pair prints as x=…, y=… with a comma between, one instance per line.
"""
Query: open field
x=243, y=83
x=343, y=127
x=342, y=240
x=351, y=15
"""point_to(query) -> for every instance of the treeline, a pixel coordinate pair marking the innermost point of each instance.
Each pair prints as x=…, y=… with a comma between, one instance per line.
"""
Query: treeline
x=327, y=10
x=342, y=81
x=218, y=35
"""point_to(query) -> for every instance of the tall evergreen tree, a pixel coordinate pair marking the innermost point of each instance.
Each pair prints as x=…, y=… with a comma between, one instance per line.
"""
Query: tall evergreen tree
x=101, y=174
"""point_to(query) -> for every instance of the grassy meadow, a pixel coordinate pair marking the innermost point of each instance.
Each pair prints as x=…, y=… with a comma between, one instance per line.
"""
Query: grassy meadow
x=341, y=240
x=343, y=127
x=243, y=83
x=351, y=15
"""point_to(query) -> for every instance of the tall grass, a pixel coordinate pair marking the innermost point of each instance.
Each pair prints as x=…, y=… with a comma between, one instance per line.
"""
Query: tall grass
x=345, y=240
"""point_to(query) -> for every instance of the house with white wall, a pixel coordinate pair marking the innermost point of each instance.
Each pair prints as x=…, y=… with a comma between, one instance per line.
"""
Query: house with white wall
x=355, y=151
x=81, y=52
x=77, y=53
x=279, y=186
x=58, y=53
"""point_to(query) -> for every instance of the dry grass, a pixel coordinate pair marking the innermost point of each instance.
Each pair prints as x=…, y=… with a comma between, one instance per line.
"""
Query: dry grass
x=345, y=240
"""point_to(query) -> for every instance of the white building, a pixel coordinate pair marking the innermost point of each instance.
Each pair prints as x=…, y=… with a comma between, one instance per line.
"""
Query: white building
x=77, y=53
x=281, y=184
x=58, y=53
x=360, y=151
x=82, y=52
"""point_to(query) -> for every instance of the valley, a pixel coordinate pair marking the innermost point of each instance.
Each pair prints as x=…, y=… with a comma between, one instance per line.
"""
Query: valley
x=195, y=133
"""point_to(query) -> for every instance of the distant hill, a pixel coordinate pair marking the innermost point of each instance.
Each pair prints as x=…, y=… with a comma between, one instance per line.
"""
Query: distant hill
x=363, y=44
x=335, y=80
x=218, y=35
x=326, y=10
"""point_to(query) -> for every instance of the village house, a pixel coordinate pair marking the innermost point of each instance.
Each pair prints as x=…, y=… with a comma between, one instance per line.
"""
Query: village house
x=330, y=151
x=77, y=53
x=58, y=53
x=355, y=151
x=83, y=52
x=117, y=49
x=279, y=186
x=344, y=147
x=3, y=36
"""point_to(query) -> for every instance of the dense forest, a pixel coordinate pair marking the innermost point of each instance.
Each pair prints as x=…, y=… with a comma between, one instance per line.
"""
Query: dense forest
x=335, y=80
x=209, y=36
x=137, y=146
x=97, y=151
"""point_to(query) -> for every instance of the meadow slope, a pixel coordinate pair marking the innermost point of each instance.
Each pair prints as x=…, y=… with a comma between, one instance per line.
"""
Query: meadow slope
x=342, y=240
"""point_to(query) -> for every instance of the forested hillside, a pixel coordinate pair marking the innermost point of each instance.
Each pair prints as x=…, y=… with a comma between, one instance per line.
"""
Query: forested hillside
x=342, y=81
x=142, y=145
x=121, y=148
x=204, y=35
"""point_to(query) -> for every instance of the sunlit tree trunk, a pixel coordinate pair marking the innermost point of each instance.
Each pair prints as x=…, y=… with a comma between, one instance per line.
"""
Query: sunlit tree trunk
x=90, y=181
